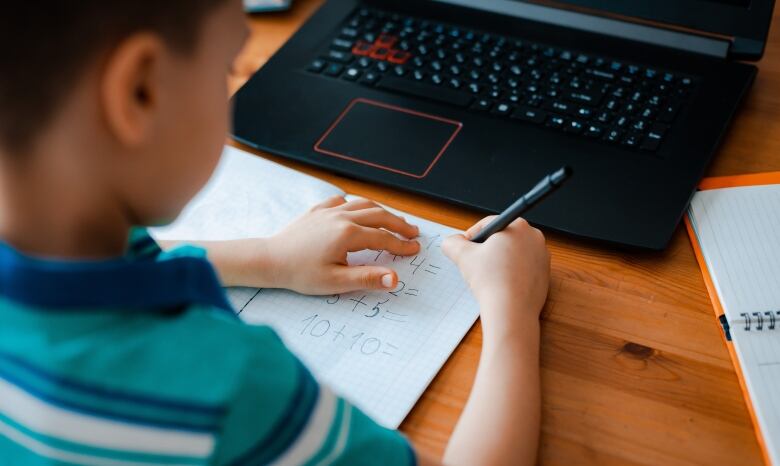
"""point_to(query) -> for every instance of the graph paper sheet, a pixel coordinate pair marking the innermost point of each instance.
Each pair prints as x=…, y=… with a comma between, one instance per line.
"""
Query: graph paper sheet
x=378, y=349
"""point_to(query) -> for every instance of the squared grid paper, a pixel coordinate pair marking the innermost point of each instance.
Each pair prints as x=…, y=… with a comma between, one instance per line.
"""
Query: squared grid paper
x=380, y=350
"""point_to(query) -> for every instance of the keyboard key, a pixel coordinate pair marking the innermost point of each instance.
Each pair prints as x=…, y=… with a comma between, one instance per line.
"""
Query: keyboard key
x=594, y=131
x=503, y=108
x=370, y=78
x=603, y=75
x=333, y=69
x=604, y=117
x=483, y=104
x=535, y=100
x=399, y=71
x=639, y=125
x=556, y=121
x=425, y=91
x=531, y=115
x=352, y=74
x=558, y=107
x=317, y=66
x=349, y=33
x=364, y=62
x=583, y=112
x=585, y=97
x=515, y=97
x=614, y=135
x=380, y=53
x=667, y=112
x=632, y=140
x=652, y=141
x=339, y=56
x=342, y=44
x=399, y=56
x=474, y=88
x=574, y=126
x=418, y=75
x=362, y=48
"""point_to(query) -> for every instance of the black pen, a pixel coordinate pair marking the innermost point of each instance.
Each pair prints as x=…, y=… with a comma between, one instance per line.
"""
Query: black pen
x=548, y=184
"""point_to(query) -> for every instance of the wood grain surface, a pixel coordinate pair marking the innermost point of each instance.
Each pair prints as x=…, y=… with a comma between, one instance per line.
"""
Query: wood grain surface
x=634, y=370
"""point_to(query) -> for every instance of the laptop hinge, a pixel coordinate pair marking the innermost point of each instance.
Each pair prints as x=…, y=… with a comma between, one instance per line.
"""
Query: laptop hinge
x=690, y=42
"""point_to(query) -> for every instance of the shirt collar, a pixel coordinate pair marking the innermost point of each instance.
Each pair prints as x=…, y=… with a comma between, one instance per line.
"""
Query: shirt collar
x=145, y=279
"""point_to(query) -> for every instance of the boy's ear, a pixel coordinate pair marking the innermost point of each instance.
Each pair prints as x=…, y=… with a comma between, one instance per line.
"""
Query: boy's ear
x=130, y=87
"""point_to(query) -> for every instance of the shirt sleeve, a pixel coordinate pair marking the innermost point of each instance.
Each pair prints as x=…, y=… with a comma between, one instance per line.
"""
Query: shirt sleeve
x=281, y=415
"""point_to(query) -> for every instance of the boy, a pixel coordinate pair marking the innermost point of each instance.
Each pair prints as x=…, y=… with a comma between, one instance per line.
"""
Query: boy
x=112, y=115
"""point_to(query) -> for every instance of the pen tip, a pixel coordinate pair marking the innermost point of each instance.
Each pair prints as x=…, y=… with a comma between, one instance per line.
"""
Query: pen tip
x=561, y=174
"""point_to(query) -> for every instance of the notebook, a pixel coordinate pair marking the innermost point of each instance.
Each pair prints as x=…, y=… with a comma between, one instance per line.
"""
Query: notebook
x=379, y=349
x=734, y=224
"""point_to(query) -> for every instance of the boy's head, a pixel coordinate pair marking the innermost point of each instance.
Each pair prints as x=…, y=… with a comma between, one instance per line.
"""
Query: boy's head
x=122, y=98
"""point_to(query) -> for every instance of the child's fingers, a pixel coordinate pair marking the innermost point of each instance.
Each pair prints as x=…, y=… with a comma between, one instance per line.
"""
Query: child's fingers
x=359, y=204
x=351, y=278
x=477, y=227
x=332, y=201
x=381, y=240
x=454, y=246
x=381, y=218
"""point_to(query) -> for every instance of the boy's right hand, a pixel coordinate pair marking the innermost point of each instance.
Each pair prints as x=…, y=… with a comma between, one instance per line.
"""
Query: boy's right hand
x=509, y=273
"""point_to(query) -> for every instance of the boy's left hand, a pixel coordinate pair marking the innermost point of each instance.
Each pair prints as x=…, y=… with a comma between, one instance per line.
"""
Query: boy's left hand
x=310, y=255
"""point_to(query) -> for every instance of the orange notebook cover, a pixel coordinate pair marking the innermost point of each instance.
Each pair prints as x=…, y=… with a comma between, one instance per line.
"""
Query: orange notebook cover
x=718, y=183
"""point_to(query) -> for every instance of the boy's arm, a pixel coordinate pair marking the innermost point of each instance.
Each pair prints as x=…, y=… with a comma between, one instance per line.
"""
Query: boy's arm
x=509, y=275
x=500, y=423
x=310, y=255
x=236, y=259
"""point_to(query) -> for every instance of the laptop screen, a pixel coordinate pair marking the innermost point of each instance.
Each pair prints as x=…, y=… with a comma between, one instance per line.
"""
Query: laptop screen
x=746, y=22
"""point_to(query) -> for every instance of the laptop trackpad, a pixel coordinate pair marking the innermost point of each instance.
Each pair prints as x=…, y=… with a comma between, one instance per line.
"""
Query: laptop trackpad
x=387, y=137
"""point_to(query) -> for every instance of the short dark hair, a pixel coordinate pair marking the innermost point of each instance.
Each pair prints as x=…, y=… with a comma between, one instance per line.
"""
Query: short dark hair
x=45, y=46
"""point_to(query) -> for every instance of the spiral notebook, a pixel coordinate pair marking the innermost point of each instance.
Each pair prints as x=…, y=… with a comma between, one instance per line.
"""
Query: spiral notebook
x=379, y=349
x=734, y=224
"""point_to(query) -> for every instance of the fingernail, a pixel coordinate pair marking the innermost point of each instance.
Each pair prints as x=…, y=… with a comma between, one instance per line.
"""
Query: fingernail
x=387, y=280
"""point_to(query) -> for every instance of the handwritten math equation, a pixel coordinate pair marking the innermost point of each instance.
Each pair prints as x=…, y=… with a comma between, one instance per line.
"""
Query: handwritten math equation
x=375, y=306
x=372, y=307
x=317, y=327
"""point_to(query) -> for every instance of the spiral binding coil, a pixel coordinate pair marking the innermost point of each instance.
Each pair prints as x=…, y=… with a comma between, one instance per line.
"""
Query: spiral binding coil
x=760, y=321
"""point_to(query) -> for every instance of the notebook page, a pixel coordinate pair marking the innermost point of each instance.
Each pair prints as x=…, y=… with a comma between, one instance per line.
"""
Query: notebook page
x=739, y=234
x=378, y=349
x=247, y=197
x=759, y=356
x=383, y=362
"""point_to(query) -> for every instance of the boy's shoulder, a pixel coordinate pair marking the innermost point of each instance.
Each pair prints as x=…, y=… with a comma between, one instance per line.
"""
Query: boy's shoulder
x=200, y=355
x=179, y=377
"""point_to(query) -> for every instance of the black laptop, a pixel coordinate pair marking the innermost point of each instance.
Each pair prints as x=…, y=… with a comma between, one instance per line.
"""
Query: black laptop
x=473, y=101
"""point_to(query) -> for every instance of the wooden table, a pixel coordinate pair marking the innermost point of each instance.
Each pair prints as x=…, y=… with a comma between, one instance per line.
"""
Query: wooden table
x=634, y=370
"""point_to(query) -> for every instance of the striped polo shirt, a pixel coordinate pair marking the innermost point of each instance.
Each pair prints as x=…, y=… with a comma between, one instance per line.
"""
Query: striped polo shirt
x=141, y=360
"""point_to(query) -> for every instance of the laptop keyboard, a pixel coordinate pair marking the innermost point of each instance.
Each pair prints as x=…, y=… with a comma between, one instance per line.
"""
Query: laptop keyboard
x=592, y=96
